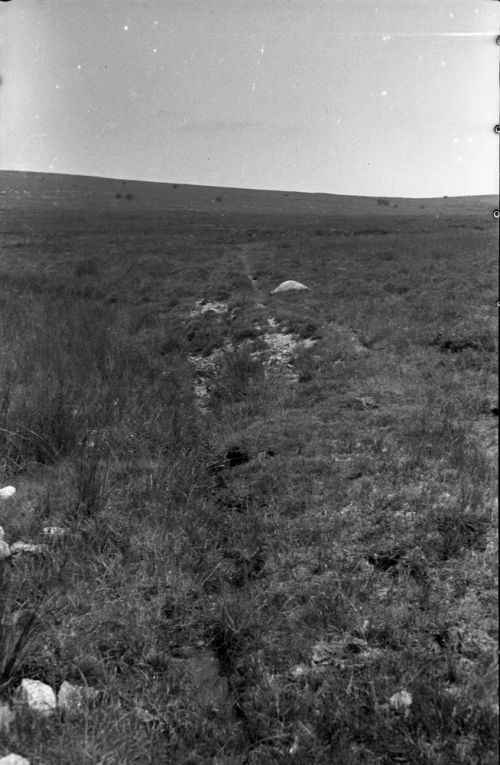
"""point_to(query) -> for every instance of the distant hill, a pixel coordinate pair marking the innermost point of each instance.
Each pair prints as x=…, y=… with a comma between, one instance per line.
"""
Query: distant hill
x=37, y=192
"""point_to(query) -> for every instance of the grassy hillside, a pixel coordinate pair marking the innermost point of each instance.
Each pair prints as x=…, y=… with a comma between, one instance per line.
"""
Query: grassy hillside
x=37, y=191
x=281, y=513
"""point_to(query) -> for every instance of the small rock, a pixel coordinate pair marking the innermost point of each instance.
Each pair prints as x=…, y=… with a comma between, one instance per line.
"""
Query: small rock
x=72, y=699
x=54, y=531
x=300, y=670
x=6, y=717
x=2, y=533
x=401, y=700
x=295, y=746
x=214, y=306
x=288, y=286
x=362, y=402
x=38, y=696
x=4, y=550
x=322, y=652
x=7, y=491
x=27, y=547
x=14, y=759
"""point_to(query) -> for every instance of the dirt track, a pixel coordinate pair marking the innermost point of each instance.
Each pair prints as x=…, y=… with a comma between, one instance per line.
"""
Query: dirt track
x=244, y=255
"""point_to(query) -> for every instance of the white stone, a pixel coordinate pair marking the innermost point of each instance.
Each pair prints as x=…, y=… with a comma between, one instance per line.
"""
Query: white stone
x=14, y=759
x=72, y=699
x=7, y=491
x=2, y=533
x=38, y=696
x=288, y=286
x=300, y=670
x=401, y=700
x=4, y=550
x=54, y=531
x=27, y=547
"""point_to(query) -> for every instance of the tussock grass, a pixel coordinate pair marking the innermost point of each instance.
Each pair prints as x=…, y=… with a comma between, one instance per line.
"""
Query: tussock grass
x=265, y=612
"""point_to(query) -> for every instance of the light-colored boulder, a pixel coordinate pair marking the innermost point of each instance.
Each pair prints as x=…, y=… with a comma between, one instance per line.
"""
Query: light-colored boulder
x=4, y=549
x=288, y=286
x=27, y=547
x=72, y=699
x=37, y=696
x=55, y=532
x=7, y=491
x=2, y=533
x=14, y=759
x=401, y=700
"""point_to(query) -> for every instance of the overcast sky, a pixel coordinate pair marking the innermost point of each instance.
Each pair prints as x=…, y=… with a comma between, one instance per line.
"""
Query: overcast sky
x=379, y=97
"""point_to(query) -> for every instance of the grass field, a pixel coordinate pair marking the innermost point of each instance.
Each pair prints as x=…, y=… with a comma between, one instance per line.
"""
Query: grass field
x=256, y=581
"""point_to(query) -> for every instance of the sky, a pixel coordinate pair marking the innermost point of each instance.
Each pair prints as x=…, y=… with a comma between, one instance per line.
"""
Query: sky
x=369, y=97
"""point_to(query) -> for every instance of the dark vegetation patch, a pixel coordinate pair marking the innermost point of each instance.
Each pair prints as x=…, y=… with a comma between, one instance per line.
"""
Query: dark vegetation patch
x=456, y=341
x=370, y=232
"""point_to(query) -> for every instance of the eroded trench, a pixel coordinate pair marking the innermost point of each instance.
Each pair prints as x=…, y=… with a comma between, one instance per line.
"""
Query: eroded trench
x=274, y=346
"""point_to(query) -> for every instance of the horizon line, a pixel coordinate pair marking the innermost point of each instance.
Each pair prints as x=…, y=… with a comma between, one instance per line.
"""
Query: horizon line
x=248, y=188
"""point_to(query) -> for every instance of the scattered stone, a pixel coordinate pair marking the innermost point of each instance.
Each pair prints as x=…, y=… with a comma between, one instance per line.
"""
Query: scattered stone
x=6, y=717
x=27, y=547
x=7, y=491
x=295, y=746
x=300, y=671
x=4, y=550
x=37, y=696
x=401, y=700
x=288, y=286
x=322, y=653
x=202, y=307
x=73, y=699
x=14, y=759
x=205, y=366
x=55, y=532
x=280, y=342
x=362, y=402
x=369, y=403
x=2, y=533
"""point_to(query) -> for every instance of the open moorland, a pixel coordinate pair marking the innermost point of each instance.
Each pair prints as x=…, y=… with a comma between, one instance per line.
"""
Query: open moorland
x=263, y=526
